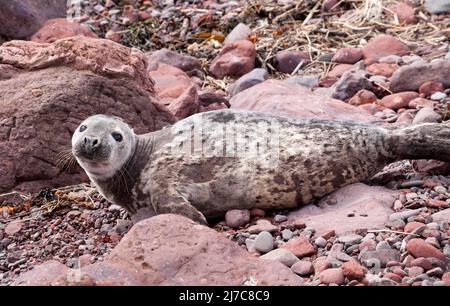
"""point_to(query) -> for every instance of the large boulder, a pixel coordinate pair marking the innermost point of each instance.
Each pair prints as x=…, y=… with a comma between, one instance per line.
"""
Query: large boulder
x=22, y=18
x=170, y=250
x=281, y=98
x=46, y=90
x=349, y=208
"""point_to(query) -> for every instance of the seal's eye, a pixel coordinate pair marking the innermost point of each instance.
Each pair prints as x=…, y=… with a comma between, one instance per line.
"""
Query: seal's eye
x=117, y=137
x=82, y=128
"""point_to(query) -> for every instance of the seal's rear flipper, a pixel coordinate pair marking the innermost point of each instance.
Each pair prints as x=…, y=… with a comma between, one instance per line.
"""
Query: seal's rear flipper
x=423, y=141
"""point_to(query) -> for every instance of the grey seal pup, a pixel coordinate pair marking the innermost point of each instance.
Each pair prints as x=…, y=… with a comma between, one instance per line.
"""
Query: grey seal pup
x=212, y=162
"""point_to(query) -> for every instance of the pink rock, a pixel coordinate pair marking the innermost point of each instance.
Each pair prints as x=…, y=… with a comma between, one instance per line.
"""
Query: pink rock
x=411, y=77
x=286, y=61
x=300, y=247
x=256, y=212
x=392, y=276
x=432, y=166
x=383, y=45
x=398, y=100
x=419, y=248
x=410, y=226
x=173, y=250
x=175, y=90
x=371, y=206
x=79, y=73
x=353, y=270
x=184, y=62
x=281, y=98
x=446, y=278
x=339, y=70
x=237, y=217
x=422, y=262
x=332, y=276
x=429, y=88
x=384, y=69
x=303, y=268
x=321, y=264
x=13, y=228
x=235, y=59
x=404, y=12
x=58, y=28
x=420, y=103
x=363, y=97
x=347, y=56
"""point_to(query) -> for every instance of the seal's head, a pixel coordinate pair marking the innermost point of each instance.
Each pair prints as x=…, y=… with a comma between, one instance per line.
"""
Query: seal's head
x=102, y=145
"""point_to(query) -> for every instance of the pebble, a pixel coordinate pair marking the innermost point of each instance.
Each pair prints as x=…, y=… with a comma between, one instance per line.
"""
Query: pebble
x=438, y=96
x=264, y=242
x=447, y=250
x=262, y=225
x=303, y=268
x=282, y=255
x=435, y=272
x=237, y=217
x=280, y=218
x=320, y=242
x=287, y=234
x=332, y=276
x=403, y=215
x=383, y=245
x=350, y=239
x=440, y=189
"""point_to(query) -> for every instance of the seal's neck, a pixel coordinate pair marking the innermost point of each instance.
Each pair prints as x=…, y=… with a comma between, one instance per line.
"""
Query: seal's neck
x=118, y=189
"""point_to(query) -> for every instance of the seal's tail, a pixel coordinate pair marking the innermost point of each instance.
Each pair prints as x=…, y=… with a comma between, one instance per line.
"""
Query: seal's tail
x=423, y=141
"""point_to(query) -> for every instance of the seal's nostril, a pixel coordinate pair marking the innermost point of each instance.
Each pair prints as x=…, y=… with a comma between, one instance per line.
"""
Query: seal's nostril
x=95, y=142
x=85, y=140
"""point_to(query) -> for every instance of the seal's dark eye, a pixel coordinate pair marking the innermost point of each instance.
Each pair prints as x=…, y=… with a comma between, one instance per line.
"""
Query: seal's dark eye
x=117, y=136
x=82, y=128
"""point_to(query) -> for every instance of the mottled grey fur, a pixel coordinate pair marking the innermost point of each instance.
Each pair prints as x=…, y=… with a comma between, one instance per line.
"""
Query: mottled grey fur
x=314, y=158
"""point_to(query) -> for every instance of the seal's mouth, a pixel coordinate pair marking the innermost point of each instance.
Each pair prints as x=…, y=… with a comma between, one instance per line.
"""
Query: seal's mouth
x=91, y=156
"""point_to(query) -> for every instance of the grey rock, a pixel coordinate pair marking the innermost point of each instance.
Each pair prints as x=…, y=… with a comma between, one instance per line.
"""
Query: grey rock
x=403, y=215
x=435, y=272
x=383, y=245
x=320, y=242
x=438, y=96
x=280, y=218
x=440, y=189
x=237, y=217
x=309, y=81
x=287, y=234
x=282, y=255
x=256, y=76
x=264, y=242
x=350, y=239
x=241, y=31
x=350, y=83
x=427, y=114
x=446, y=250
x=437, y=6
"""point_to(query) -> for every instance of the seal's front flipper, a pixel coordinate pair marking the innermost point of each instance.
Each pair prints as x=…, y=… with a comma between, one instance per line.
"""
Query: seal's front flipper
x=142, y=213
x=166, y=204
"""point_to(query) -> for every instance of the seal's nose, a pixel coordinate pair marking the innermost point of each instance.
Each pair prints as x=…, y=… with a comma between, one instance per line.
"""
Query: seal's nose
x=91, y=143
